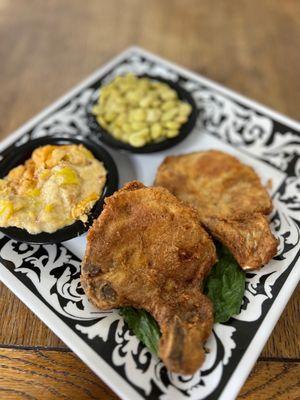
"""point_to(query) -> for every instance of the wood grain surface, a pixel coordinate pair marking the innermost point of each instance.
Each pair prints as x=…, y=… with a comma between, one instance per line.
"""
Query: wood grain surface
x=47, y=47
x=41, y=374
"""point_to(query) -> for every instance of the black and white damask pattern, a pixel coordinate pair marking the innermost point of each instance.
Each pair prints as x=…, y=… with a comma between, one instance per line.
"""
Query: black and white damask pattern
x=52, y=272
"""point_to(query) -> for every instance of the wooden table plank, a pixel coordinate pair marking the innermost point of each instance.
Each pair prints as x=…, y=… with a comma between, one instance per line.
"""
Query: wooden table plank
x=273, y=380
x=20, y=327
x=48, y=375
x=61, y=375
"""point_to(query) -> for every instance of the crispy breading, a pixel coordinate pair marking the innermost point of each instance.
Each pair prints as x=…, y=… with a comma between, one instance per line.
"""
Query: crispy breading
x=230, y=199
x=148, y=250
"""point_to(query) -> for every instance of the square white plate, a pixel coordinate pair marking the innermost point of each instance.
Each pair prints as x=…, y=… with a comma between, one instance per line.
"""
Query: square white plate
x=46, y=278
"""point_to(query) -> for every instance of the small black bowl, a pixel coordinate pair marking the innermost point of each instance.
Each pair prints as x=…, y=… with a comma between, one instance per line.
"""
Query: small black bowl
x=185, y=129
x=17, y=155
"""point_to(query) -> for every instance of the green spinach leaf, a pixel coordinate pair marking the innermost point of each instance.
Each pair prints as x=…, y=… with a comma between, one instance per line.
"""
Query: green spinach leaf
x=225, y=286
x=144, y=326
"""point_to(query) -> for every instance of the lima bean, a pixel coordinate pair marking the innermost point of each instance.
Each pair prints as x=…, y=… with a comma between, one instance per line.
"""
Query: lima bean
x=139, y=110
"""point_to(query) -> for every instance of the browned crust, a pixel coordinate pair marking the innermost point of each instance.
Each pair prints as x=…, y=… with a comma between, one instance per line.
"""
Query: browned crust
x=148, y=250
x=230, y=199
x=250, y=240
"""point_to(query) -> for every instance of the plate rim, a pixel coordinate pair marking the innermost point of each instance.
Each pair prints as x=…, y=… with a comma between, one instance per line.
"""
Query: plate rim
x=289, y=284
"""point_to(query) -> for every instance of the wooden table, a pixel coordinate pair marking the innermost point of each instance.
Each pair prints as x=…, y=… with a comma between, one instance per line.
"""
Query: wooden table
x=47, y=47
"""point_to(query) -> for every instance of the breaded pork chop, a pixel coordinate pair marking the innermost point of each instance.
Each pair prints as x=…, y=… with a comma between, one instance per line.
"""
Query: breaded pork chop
x=230, y=199
x=148, y=250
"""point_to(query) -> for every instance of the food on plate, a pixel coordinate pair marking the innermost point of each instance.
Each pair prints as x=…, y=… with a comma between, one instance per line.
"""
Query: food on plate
x=144, y=326
x=55, y=187
x=148, y=250
x=139, y=111
x=230, y=199
x=224, y=286
x=148, y=255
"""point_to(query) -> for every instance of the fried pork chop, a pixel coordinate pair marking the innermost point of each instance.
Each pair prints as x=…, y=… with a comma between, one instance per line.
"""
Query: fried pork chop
x=148, y=250
x=230, y=199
